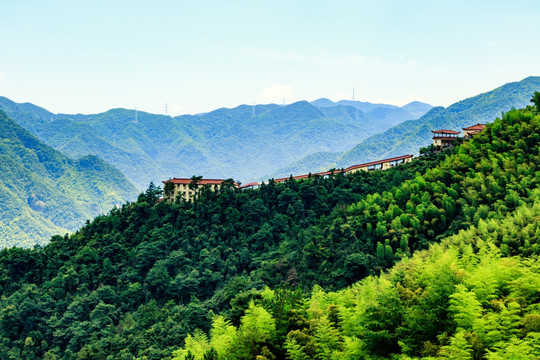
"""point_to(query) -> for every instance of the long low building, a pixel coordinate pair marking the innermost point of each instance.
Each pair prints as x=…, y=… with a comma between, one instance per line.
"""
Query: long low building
x=380, y=164
x=181, y=186
x=370, y=166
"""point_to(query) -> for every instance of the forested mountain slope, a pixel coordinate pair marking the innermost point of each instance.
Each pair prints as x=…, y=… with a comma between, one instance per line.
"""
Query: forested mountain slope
x=475, y=296
x=43, y=193
x=135, y=282
x=244, y=143
x=409, y=136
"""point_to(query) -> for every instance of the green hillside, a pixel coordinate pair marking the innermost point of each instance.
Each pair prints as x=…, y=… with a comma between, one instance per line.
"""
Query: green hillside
x=475, y=296
x=409, y=136
x=244, y=143
x=135, y=282
x=43, y=193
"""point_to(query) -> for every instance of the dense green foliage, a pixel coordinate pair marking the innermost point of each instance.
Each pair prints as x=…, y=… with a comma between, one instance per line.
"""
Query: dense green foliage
x=43, y=193
x=409, y=136
x=137, y=281
x=476, y=295
x=220, y=144
x=467, y=298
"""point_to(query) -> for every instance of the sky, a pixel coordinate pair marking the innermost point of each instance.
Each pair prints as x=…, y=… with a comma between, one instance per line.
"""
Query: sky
x=196, y=56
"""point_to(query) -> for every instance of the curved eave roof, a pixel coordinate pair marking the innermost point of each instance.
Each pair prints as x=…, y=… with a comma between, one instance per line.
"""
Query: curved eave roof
x=445, y=132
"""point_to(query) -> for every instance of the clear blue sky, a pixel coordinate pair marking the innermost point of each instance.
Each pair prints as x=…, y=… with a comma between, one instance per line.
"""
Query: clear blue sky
x=90, y=56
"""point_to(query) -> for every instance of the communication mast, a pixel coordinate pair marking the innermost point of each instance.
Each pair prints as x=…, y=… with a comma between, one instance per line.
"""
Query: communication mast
x=136, y=116
x=166, y=109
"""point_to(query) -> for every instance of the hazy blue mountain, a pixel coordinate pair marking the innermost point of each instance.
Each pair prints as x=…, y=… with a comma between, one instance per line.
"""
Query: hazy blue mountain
x=391, y=116
x=363, y=106
x=417, y=108
x=245, y=142
x=409, y=136
x=42, y=192
x=323, y=102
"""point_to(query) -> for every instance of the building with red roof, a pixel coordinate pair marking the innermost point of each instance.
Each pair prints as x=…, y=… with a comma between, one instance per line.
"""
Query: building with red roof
x=187, y=189
x=443, y=138
x=470, y=131
x=251, y=185
x=380, y=164
x=374, y=165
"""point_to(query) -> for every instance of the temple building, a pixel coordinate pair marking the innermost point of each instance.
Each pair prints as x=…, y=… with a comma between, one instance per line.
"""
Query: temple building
x=470, y=131
x=181, y=187
x=444, y=138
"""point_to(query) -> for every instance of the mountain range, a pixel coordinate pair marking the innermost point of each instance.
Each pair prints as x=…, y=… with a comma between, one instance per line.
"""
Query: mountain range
x=244, y=143
x=42, y=192
x=437, y=258
x=409, y=136
x=415, y=108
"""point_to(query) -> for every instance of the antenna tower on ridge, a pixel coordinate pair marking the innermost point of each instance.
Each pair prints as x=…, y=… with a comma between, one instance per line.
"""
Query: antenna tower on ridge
x=166, y=109
x=353, y=93
x=136, y=115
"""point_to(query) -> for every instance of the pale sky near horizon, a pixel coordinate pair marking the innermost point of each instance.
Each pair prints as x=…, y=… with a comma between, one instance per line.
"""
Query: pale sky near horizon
x=196, y=56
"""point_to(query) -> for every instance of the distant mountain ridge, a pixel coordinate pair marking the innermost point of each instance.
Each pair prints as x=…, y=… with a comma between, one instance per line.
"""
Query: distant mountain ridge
x=244, y=142
x=367, y=107
x=43, y=193
x=409, y=136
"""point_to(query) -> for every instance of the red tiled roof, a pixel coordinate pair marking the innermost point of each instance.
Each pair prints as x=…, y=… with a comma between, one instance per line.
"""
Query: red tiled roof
x=298, y=177
x=445, y=132
x=200, y=182
x=448, y=138
x=250, y=184
x=327, y=172
x=347, y=169
x=294, y=177
x=475, y=127
x=377, y=162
